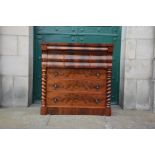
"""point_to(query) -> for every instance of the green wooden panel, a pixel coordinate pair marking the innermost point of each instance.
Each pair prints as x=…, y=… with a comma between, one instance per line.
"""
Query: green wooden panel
x=78, y=34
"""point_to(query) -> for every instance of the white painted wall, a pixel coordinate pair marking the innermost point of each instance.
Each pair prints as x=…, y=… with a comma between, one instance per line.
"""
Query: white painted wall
x=15, y=56
x=138, y=50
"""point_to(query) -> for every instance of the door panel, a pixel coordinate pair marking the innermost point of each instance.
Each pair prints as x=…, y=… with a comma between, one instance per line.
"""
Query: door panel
x=77, y=34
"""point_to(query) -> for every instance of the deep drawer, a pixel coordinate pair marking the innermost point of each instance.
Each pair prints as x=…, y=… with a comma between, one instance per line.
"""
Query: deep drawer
x=97, y=86
x=75, y=99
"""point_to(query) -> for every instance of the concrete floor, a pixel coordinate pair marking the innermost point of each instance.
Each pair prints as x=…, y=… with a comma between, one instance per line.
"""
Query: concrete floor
x=21, y=118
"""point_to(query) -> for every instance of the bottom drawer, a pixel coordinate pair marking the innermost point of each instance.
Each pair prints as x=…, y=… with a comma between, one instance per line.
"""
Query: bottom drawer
x=75, y=99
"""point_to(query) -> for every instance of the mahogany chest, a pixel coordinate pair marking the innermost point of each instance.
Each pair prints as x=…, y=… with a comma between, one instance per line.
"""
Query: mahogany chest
x=76, y=79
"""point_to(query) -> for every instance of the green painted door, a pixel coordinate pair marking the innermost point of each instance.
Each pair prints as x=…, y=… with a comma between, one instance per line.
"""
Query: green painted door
x=78, y=34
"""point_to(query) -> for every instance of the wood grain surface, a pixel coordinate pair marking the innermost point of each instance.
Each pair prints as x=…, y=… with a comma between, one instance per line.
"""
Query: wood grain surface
x=76, y=79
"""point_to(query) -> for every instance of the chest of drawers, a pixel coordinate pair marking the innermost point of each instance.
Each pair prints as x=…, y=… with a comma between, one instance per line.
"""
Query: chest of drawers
x=76, y=79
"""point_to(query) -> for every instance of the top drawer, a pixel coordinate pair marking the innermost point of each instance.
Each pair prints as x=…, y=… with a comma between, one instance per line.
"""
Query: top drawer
x=76, y=74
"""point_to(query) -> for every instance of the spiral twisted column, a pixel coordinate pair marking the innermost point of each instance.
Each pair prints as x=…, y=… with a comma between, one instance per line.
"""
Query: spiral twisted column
x=108, y=91
x=43, y=92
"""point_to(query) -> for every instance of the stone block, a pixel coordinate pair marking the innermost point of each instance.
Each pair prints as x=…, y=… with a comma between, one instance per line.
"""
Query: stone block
x=20, y=93
x=7, y=91
x=8, y=45
x=23, y=45
x=154, y=96
x=14, y=30
x=153, y=68
x=140, y=32
x=143, y=94
x=130, y=94
x=151, y=94
x=14, y=65
x=145, y=49
x=0, y=90
x=130, y=51
x=138, y=69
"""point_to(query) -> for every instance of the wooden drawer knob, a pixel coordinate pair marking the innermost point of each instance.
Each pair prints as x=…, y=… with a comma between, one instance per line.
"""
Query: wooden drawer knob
x=97, y=86
x=55, y=86
x=97, y=74
x=97, y=101
x=55, y=99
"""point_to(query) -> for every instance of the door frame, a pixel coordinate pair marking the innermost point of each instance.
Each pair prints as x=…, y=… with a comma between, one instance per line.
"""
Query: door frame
x=119, y=70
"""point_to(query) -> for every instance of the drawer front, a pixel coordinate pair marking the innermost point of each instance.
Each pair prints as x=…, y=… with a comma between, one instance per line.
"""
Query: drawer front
x=76, y=74
x=75, y=99
x=97, y=86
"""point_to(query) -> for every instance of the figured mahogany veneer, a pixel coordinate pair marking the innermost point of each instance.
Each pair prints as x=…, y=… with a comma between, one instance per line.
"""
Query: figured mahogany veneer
x=78, y=74
x=76, y=79
x=75, y=99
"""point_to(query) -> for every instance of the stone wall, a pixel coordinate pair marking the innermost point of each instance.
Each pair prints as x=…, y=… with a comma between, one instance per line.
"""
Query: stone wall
x=138, y=47
x=15, y=58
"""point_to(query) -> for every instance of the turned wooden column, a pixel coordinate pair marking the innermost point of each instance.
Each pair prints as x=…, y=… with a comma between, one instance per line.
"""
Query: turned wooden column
x=43, y=83
x=108, y=91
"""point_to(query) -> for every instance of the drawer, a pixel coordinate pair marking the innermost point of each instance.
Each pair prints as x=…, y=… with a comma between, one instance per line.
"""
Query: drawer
x=75, y=99
x=77, y=74
x=98, y=86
